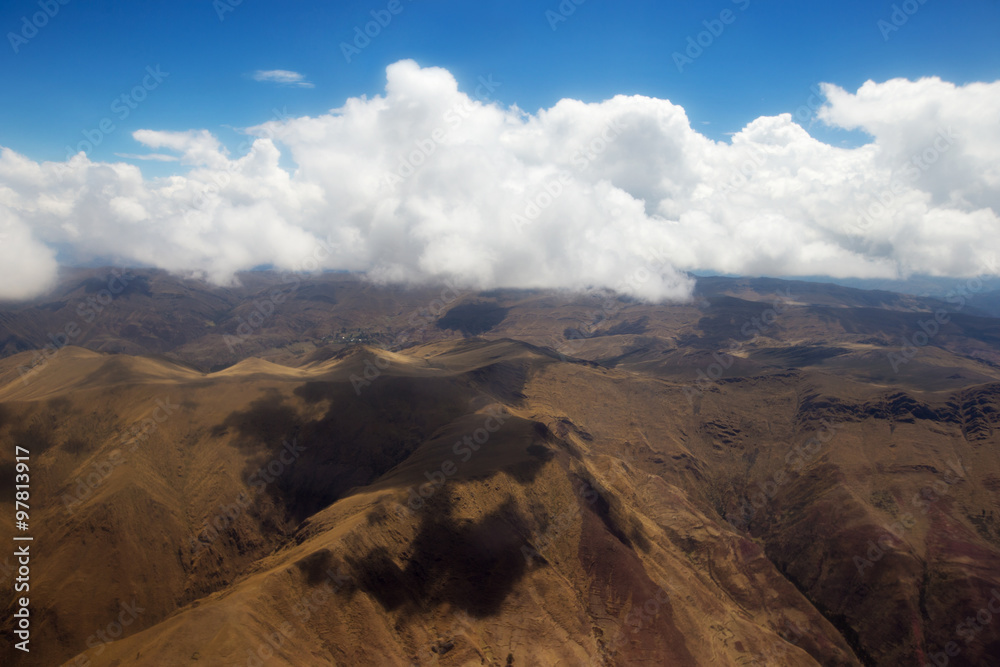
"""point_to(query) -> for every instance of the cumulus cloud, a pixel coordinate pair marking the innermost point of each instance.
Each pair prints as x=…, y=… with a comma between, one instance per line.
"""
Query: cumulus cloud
x=27, y=267
x=910, y=119
x=282, y=76
x=427, y=183
x=154, y=157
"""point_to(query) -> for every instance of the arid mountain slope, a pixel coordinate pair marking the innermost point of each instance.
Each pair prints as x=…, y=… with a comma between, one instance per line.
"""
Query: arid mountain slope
x=291, y=319
x=661, y=485
x=531, y=535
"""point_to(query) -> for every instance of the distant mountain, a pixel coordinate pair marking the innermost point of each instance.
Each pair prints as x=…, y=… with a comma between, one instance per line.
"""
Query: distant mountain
x=916, y=285
x=281, y=317
x=323, y=471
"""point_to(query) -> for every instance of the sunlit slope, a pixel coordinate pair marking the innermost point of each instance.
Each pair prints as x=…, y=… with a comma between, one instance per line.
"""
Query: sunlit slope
x=476, y=499
x=279, y=459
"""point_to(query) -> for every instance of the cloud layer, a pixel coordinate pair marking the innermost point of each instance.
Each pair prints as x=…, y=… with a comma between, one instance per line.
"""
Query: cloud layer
x=282, y=76
x=428, y=183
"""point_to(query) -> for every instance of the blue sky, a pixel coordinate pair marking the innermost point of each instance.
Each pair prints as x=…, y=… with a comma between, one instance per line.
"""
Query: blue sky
x=63, y=80
x=419, y=181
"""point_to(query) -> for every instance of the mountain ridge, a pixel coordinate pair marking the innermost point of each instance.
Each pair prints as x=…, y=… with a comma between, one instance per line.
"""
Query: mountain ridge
x=521, y=494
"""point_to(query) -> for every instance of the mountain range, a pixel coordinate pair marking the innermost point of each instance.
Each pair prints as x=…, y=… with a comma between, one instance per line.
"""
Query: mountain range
x=301, y=470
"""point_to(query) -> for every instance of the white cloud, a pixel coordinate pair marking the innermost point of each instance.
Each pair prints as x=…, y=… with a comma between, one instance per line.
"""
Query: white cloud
x=196, y=146
x=282, y=76
x=154, y=157
x=425, y=183
x=906, y=118
x=27, y=267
